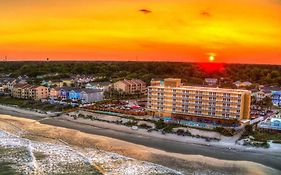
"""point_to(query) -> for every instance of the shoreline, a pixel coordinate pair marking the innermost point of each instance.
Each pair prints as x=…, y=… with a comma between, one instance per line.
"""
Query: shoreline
x=267, y=158
x=187, y=164
x=12, y=110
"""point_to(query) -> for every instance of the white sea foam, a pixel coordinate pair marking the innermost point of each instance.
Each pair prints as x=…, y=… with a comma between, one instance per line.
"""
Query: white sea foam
x=61, y=158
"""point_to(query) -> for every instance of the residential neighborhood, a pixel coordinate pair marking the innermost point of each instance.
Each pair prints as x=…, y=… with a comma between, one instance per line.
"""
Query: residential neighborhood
x=83, y=89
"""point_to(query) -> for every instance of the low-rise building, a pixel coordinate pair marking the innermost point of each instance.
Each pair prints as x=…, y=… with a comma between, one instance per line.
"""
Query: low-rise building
x=91, y=95
x=104, y=86
x=75, y=94
x=133, y=86
x=54, y=92
x=274, y=92
x=27, y=91
x=211, y=81
x=242, y=84
x=273, y=123
x=67, y=82
x=156, y=82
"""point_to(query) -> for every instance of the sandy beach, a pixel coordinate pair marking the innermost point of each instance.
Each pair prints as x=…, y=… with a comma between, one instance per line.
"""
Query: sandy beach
x=12, y=110
x=186, y=155
x=182, y=162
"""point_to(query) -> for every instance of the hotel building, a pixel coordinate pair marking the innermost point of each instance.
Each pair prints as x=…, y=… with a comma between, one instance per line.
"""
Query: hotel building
x=171, y=99
x=27, y=91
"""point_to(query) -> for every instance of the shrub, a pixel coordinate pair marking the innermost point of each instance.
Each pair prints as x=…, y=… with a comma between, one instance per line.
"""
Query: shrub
x=144, y=126
x=276, y=141
x=224, y=131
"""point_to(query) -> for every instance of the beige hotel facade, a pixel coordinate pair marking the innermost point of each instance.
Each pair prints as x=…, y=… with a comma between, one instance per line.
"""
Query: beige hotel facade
x=169, y=98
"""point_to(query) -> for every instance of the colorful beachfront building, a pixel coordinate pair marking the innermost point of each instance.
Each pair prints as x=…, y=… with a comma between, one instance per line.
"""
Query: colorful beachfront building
x=91, y=95
x=174, y=101
x=276, y=98
x=85, y=95
x=272, y=123
x=74, y=94
x=274, y=92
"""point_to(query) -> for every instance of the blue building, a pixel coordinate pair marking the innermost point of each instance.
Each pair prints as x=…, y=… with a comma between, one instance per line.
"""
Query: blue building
x=64, y=93
x=74, y=94
x=276, y=98
x=275, y=94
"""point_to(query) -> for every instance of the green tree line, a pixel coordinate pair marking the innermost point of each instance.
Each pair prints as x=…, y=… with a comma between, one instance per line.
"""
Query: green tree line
x=189, y=72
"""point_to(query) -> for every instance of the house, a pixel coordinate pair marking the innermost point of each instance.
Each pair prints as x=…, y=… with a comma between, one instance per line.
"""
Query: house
x=27, y=91
x=56, y=83
x=64, y=92
x=133, y=86
x=104, y=86
x=54, y=92
x=82, y=79
x=91, y=95
x=156, y=82
x=211, y=81
x=74, y=94
x=242, y=84
x=272, y=123
x=274, y=92
x=271, y=91
x=52, y=83
x=2, y=89
x=275, y=123
x=276, y=98
x=67, y=82
x=8, y=83
x=261, y=94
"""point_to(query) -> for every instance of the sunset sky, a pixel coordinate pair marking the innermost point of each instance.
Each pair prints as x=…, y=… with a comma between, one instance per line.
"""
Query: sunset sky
x=236, y=31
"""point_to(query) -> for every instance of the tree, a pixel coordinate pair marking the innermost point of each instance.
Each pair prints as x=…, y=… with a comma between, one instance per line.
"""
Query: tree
x=265, y=103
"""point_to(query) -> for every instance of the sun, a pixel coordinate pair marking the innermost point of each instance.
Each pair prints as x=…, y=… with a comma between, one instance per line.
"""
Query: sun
x=211, y=57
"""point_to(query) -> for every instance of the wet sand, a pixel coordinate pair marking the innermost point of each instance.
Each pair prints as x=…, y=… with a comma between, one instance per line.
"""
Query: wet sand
x=182, y=156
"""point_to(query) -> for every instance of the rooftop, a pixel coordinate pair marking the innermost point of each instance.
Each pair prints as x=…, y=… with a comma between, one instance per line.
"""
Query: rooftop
x=208, y=89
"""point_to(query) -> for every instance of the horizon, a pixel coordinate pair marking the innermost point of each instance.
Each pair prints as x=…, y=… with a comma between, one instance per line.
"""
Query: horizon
x=174, y=31
x=155, y=61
